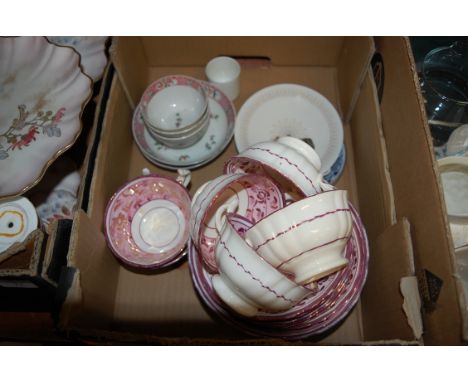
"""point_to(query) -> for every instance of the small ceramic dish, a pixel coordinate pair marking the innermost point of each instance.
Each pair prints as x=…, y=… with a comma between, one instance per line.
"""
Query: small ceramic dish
x=454, y=176
x=42, y=95
x=18, y=219
x=146, y=222
x=174, y=104
x=215, y=140
x=252, y=196
x=92, y=50
x=294, y=110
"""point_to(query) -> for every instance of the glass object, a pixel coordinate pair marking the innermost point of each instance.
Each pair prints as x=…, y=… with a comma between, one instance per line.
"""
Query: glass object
x=444, y=84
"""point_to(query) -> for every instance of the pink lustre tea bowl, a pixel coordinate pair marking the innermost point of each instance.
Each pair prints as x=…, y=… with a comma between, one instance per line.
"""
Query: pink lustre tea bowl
x=146, y=222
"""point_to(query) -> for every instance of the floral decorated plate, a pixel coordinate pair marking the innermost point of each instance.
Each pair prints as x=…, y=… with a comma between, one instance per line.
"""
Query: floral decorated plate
x=42, y=95
x=295, y=110
x=215, y=140
x=91, y=49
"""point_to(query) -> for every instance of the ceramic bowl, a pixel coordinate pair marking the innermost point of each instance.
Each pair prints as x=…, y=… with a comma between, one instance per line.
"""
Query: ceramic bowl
x=174, y=104
x=255, y=197
x=182, y=141
x=305, y=239
x=248, y=284
x=454, y=176
x=290, y=110
x=43, y=92
x=290, y=161
x=199, y=125
x=146, y=221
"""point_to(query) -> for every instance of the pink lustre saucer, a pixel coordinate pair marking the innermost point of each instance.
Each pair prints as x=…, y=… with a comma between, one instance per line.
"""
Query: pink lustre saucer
x=322, y=311
x=146, y=222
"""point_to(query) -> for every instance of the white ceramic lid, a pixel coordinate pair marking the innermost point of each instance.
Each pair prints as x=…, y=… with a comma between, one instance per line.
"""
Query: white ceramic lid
x=18, y=219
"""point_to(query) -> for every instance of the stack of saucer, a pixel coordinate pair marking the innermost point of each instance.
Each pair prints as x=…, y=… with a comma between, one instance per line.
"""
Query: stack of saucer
x=182, y=122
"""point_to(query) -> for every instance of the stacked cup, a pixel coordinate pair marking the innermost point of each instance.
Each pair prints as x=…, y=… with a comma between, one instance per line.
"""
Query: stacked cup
x=271, y=263
x=176, y=111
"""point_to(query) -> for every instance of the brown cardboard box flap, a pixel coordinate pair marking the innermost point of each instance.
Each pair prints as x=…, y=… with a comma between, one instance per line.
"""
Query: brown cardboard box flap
x=391, y=256
x=373, y=180
x=417, y=194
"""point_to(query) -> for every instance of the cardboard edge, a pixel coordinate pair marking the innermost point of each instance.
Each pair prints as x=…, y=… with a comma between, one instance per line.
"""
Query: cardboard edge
x=94, y=133
x=383, y=144
x=349, y=108
x=35, y=263
x=458, y=285
x=99, y=151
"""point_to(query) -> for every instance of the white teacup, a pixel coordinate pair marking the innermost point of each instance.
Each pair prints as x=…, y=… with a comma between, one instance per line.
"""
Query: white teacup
x=290, y=161
x=246, y=282
x=224, y=73
x=307, y=238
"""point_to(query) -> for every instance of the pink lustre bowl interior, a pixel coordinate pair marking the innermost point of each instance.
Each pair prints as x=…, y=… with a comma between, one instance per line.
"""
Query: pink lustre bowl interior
x=320, y=312
x=43, y=92
x=252, y=196
x=146, y=222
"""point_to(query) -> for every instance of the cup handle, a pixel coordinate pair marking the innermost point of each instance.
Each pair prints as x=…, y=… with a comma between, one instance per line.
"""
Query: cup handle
x=184, y=177
x=220, y=219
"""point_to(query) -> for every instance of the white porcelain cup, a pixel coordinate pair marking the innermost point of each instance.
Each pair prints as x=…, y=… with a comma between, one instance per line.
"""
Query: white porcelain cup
x=224, y=73
x=307, y=238
x=245, y=281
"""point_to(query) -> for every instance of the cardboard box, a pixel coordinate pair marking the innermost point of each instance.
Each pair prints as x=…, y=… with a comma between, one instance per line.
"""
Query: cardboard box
x=384, y=143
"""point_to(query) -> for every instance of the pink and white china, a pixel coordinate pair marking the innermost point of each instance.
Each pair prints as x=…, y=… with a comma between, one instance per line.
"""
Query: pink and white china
x=222, y=116
x=175, y=106
x=289, y=161
x=256, y=196
x=247, y=283
x=291, y=110
x=305, y=239
x=43, y=92
x=146, y=222
x=335, y=297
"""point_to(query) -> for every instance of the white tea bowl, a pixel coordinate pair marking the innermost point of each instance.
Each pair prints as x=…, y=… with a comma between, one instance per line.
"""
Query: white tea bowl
x=306, y=239
x=246, y=282
x=290, y=161
x=174, y=103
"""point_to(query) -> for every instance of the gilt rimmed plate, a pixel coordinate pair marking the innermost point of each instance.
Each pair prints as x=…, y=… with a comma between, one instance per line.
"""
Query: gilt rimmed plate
x=318, y=313
x=295, y=110
x=43, y=92
x=92, y=50
x=213, y=143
